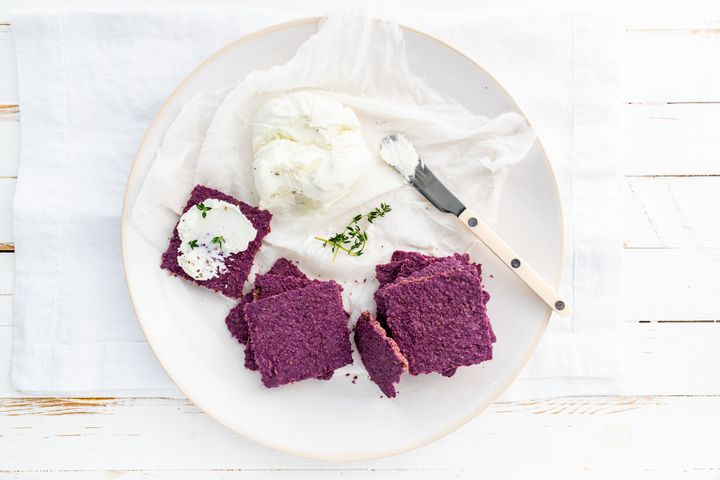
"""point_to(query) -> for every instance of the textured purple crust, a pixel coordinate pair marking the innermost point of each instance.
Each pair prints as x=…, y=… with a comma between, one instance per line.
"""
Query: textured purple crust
x=249, y=361
x=238, y=265
x=446, y=264
x=269, y=285
x=414, y=264
x=387, y=272
x=266, y=286
x=402, y=255
x=380, y=354
x=299, y=334
x=235, y=319
x=286, y=268
x=403, y=264
x=439, y=322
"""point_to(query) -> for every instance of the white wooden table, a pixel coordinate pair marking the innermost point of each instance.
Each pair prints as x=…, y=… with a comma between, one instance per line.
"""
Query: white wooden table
x=667, y=423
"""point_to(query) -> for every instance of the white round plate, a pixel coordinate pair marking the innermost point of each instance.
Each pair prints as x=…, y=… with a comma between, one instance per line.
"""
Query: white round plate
x=339, y=419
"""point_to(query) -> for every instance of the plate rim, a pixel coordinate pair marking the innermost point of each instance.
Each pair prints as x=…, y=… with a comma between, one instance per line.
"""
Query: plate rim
x=152, y=126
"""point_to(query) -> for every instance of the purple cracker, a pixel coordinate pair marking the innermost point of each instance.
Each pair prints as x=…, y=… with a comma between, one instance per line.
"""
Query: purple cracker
x=269, y=285
x=238, y=265
x=388, y=272
x=380, y=354
x=402, y=255
x=282, y=277
x=235, y=320
x=440, y=322
x=299, y=334
x=442, y=265
x=286, y=268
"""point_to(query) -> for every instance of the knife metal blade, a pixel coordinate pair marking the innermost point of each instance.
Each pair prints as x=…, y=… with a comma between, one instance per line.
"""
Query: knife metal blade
x=425, y=181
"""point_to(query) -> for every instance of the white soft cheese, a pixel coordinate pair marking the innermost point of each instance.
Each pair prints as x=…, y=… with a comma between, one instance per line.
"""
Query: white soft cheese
x=397, y=151
x=309, y=151
x=200, y=256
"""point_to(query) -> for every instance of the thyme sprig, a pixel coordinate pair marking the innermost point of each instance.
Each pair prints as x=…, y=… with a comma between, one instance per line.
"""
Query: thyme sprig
x=219, y=240
x=353, y=239
x=203, y=209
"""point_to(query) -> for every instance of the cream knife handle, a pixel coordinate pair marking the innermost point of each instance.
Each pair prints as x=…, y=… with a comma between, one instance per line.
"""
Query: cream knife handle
x=521, y=268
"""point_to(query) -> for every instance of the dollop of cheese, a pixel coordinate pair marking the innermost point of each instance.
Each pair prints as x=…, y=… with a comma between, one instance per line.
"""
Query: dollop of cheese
x=210, y=232
x=308, y=150
x=397, y=151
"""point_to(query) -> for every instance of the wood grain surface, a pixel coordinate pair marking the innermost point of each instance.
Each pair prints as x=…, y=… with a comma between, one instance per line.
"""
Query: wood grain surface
x=664, y=423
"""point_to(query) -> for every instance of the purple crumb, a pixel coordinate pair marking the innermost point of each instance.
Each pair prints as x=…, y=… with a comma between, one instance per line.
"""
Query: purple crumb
x=379, y=353
x=238, y=265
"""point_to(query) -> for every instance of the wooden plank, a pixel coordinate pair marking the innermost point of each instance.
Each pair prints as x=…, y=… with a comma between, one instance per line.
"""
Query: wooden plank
x=7, y=191
x=672, y=212
x=352, y=472
x=671, y=139
x=666, y=139
x=8, y=71
x=6, y=312
x=660, y=358
x=7, y=273
x=602, y=434
x=672, y=284
x=667, y=358
x=671, y=66
x=659, y=212
x=636, y=14
x=660, y=284
x=9, y=140
x=661, y=64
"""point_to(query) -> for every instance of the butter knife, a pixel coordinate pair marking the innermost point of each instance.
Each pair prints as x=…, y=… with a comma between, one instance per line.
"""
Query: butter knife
x=397, y=151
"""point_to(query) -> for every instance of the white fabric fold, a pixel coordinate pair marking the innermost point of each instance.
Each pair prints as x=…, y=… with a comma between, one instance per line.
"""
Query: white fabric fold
x=90, y=84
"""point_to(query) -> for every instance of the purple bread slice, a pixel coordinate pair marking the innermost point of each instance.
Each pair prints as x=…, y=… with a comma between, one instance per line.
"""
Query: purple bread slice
x=238, y=265
x=412, y=265
x=269, y=285
x=299, y=334
x=235, y=320
x=416, y=270
x=439, y=323
x=444, y=264
x=402, y=255
x=286, y=268
x=388, y=272
x=380, y=354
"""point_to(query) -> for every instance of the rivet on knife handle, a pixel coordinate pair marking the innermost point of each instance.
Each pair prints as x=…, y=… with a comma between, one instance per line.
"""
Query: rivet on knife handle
x=510, y=258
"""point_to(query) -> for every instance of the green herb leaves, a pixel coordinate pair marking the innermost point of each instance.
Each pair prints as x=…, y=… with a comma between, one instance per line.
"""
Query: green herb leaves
x=353, y=239
x=378, y=212
x=193, y=244
x=219, y=240
x=203, y=209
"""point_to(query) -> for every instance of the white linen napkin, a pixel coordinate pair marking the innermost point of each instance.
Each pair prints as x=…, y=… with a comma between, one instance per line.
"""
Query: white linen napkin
x=91, y=82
